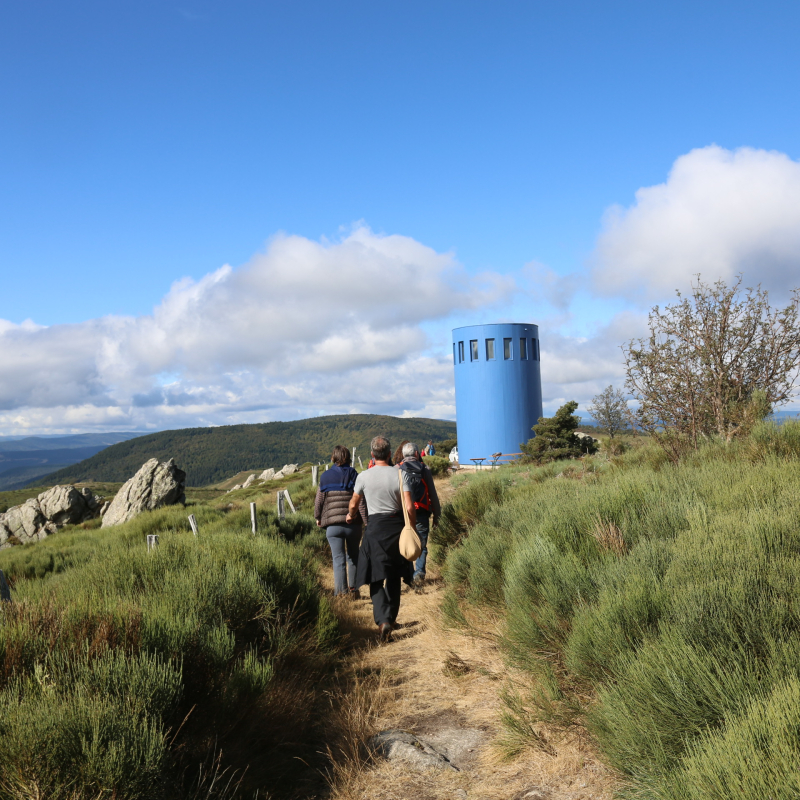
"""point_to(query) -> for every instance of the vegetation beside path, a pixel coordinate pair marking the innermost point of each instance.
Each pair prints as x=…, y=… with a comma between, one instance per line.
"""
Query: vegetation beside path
x=657, y=604
x=626, y=608
x=185, y=672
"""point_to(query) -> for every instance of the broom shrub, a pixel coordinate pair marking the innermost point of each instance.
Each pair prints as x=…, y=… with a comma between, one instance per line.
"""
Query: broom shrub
x=106, y=648
x=670, y=592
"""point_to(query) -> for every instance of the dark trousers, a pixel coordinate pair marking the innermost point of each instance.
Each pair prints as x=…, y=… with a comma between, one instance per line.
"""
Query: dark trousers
x=385, y=597
x=423, y=529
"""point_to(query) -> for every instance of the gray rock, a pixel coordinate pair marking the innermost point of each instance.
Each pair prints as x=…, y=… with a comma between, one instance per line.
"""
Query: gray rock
x=66, y=505
x=38, y=517
x=267, y=475
x=153, y=486
x=457, y=745
x=249, y=481
x=26, y=522
x=289, y=469
x=402, y=746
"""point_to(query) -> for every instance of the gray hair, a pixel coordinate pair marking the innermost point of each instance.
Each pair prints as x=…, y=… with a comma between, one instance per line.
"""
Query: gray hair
x=381, y=449
x=409, y=449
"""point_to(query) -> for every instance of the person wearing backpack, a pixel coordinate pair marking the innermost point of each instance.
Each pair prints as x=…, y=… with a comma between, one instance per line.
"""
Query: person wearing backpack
x=426, y=503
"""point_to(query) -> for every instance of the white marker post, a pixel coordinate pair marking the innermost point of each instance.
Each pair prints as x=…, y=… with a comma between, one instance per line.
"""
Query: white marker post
x=152, y=541
x=360, y=464
x=193, y=523
x=253, y=519
x=314, y=475
x=289, y=500
x=281, y=506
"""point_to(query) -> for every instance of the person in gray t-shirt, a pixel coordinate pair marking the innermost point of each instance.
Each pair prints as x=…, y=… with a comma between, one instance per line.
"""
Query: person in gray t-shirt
x=380, y=563
x=380, y=489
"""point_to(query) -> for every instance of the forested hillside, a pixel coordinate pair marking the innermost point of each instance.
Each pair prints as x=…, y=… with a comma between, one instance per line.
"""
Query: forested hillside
x=209, y=455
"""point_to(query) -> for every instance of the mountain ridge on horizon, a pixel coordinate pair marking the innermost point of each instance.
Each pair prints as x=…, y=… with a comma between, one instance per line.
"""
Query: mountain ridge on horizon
x=212, y=454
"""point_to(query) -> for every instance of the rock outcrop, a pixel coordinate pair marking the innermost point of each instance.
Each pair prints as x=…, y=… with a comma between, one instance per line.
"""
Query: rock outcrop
x=36, y=518
x=250, y=481
x=267, y=475
x=153, y=486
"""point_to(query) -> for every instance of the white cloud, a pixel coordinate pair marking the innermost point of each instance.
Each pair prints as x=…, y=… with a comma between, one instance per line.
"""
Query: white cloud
x=304, y=327
x=580, y=367
x=719, y=213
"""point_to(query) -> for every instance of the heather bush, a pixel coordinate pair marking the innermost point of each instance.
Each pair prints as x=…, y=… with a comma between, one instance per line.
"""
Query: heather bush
x=667, y=593
x=106, y=648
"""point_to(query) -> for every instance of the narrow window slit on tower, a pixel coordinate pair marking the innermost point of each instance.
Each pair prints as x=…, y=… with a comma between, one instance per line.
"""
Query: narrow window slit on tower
x=473, y=349
x=490, y=349
x=507, y=349
x=460, y=352
x=523, y=349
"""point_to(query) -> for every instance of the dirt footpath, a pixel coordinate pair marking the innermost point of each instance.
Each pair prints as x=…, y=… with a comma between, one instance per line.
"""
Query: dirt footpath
x=437, y=693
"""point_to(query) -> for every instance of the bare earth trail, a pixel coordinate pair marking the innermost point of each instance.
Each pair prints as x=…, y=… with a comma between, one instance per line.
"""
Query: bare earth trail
x=442, y=687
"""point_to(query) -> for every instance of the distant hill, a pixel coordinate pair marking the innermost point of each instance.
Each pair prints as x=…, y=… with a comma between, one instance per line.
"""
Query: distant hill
x=210, y=455
x=25, y=460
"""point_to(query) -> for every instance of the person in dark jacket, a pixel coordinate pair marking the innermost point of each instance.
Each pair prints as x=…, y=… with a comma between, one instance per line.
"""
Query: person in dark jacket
x=426, y=503
x=330, y=510
x=380, y=563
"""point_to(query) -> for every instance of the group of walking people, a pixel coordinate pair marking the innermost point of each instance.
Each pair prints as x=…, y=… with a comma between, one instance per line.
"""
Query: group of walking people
x=363, y=517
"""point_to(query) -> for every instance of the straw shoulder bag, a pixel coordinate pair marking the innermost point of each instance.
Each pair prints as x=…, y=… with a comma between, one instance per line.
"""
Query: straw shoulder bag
x=410, y=545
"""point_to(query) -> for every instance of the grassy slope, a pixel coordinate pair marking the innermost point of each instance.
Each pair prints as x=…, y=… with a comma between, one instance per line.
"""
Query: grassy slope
x=211, y=455
x=107, y=650
x=661, y=603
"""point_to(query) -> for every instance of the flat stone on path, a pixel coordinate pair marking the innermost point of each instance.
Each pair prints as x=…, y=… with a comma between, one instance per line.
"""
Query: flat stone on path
x=403, y=746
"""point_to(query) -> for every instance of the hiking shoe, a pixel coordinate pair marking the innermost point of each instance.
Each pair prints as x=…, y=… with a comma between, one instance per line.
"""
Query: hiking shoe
x=418, y=582
x=386, y=631
x=355, y=594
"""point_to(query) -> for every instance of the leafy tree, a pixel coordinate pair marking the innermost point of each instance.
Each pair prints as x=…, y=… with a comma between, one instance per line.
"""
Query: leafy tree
x=715, y=362
x=555, y=437
x=444, y=447
x=610, y=409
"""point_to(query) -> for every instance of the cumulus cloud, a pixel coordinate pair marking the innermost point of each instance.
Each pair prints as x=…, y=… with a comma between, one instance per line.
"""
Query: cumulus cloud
x=719, y=213
x=580, y=367
x=304, y=327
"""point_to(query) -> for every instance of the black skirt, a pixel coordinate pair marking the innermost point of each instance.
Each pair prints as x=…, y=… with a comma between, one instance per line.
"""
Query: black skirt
x=379, y=557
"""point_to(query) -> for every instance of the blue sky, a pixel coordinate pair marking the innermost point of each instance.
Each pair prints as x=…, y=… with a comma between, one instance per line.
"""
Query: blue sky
x=493, y=152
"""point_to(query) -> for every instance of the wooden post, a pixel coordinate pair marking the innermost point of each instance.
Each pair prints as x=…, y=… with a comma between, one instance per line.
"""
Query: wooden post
x=253, y=519
x=152, y=541
x=193, y=523
x=314, y=475
x=360, y=464
x=5, y=592
x=281, y=506
x=289, y=500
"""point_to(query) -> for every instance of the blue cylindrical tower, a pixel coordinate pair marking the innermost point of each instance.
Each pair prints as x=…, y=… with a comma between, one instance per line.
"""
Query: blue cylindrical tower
x=498, y=387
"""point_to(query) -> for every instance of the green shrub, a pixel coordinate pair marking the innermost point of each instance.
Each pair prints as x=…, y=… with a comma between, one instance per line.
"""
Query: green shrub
x=438, y=465
x=669, y=592
x=753, y=756
x=467, y=507
x=113, y=646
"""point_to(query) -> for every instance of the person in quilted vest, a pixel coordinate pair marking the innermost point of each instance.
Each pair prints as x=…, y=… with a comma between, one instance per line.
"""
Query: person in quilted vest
x=330, y=510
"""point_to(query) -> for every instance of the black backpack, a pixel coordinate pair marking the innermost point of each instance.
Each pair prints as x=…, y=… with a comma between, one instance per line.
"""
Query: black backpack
x=419, y=486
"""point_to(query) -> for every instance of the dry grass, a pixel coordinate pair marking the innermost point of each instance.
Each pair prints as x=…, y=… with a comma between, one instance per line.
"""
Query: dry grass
x=610, y=537
x=430, y=681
